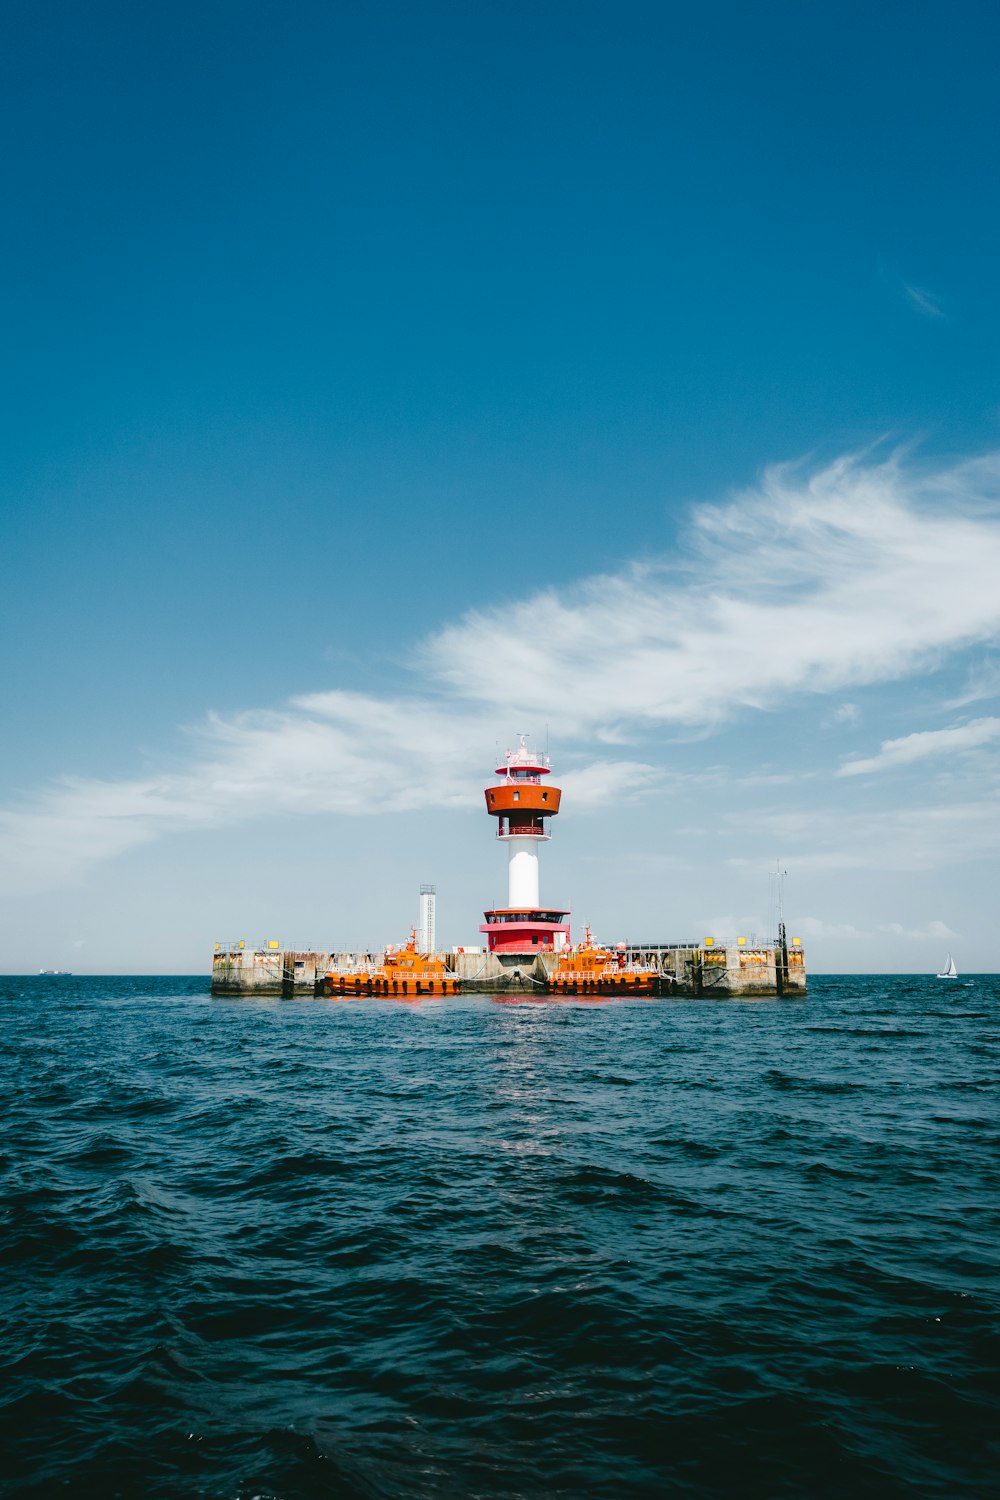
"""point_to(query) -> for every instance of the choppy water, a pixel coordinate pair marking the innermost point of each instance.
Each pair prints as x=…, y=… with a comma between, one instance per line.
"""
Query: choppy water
x=470, y=1248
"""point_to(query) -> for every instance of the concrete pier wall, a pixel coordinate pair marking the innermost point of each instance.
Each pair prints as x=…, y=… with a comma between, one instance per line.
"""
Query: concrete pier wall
x=301, y=972
x=250, y=971
x=692, y=969
x=726, y=972
x=247, y=971
x=739, y=971
x=487, y=973
x=794, y=976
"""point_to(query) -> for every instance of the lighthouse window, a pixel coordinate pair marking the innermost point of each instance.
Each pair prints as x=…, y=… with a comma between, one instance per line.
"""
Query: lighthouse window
x=517, y=796
x=545, y=796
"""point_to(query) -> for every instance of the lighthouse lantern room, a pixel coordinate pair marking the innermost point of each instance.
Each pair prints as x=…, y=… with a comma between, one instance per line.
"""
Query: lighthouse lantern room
x=521, y=802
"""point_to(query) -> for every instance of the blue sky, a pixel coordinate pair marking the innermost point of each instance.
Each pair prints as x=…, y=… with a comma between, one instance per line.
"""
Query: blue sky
x=380, y=381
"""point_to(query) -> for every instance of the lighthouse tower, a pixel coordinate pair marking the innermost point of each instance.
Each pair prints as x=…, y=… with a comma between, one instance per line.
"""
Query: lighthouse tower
x=521, y=803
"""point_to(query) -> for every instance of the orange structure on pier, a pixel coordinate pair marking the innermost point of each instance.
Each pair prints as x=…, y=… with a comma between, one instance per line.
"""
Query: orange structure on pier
x=593, y=970
x=404, y=972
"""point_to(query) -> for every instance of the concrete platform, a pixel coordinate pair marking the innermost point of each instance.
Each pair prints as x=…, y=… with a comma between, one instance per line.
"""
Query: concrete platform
x=737, y=972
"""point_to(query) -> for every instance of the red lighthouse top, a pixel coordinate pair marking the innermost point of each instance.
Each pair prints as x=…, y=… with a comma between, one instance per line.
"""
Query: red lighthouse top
x=521, y=765
x=521, y=802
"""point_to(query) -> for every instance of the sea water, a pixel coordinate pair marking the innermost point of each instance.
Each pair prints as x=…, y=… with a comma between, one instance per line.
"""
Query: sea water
x=485, y=1248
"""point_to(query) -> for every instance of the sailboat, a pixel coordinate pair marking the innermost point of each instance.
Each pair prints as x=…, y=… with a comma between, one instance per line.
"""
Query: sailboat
x=949, y=971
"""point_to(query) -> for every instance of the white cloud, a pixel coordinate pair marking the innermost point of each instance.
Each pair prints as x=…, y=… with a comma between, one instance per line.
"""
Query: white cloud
x=925, y=744
x=812, y=583
x=846, y=713
x=809, y=584
x=939, y=931
x=725, y=929
x=830, y=839
x=595, y=785
x=816, y=927
x=335, y=753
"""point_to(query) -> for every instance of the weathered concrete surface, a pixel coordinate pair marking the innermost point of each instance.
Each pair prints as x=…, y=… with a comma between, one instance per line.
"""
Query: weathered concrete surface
x=301, y=972
x=247, y=971
x=502, y=972
x=793, y=978
x=741, y=972
x=474, y=968
x=255, y=971
x=738, y=971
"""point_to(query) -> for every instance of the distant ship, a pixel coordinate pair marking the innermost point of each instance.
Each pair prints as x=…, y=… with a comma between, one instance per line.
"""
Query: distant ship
x=949, y=971
x=61, y=972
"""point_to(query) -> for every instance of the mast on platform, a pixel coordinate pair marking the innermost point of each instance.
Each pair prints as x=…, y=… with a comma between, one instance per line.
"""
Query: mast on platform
x=522, y=802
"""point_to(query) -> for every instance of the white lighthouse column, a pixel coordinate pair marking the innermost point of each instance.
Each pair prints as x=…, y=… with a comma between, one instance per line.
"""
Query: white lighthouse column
x=522, y=873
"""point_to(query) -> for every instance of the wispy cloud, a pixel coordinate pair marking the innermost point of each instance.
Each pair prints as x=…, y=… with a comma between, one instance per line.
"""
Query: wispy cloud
x=824, y=839
x=923, y=301
x=939, y=931
x=812, y=583
x=846, y=713
x=925, y=744
x=982, y=683
x=816, y=927
x=333, y=753
x=842, y=713
x=918, y=298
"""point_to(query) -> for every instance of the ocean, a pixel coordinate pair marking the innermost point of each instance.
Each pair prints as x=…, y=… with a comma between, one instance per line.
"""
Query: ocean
x=481, y=1248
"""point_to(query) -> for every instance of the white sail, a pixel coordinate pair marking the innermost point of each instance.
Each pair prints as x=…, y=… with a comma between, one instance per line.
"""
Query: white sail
x=949, y=971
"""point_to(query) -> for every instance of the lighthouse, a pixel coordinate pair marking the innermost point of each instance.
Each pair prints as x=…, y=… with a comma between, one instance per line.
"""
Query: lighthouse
x=522, y=800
